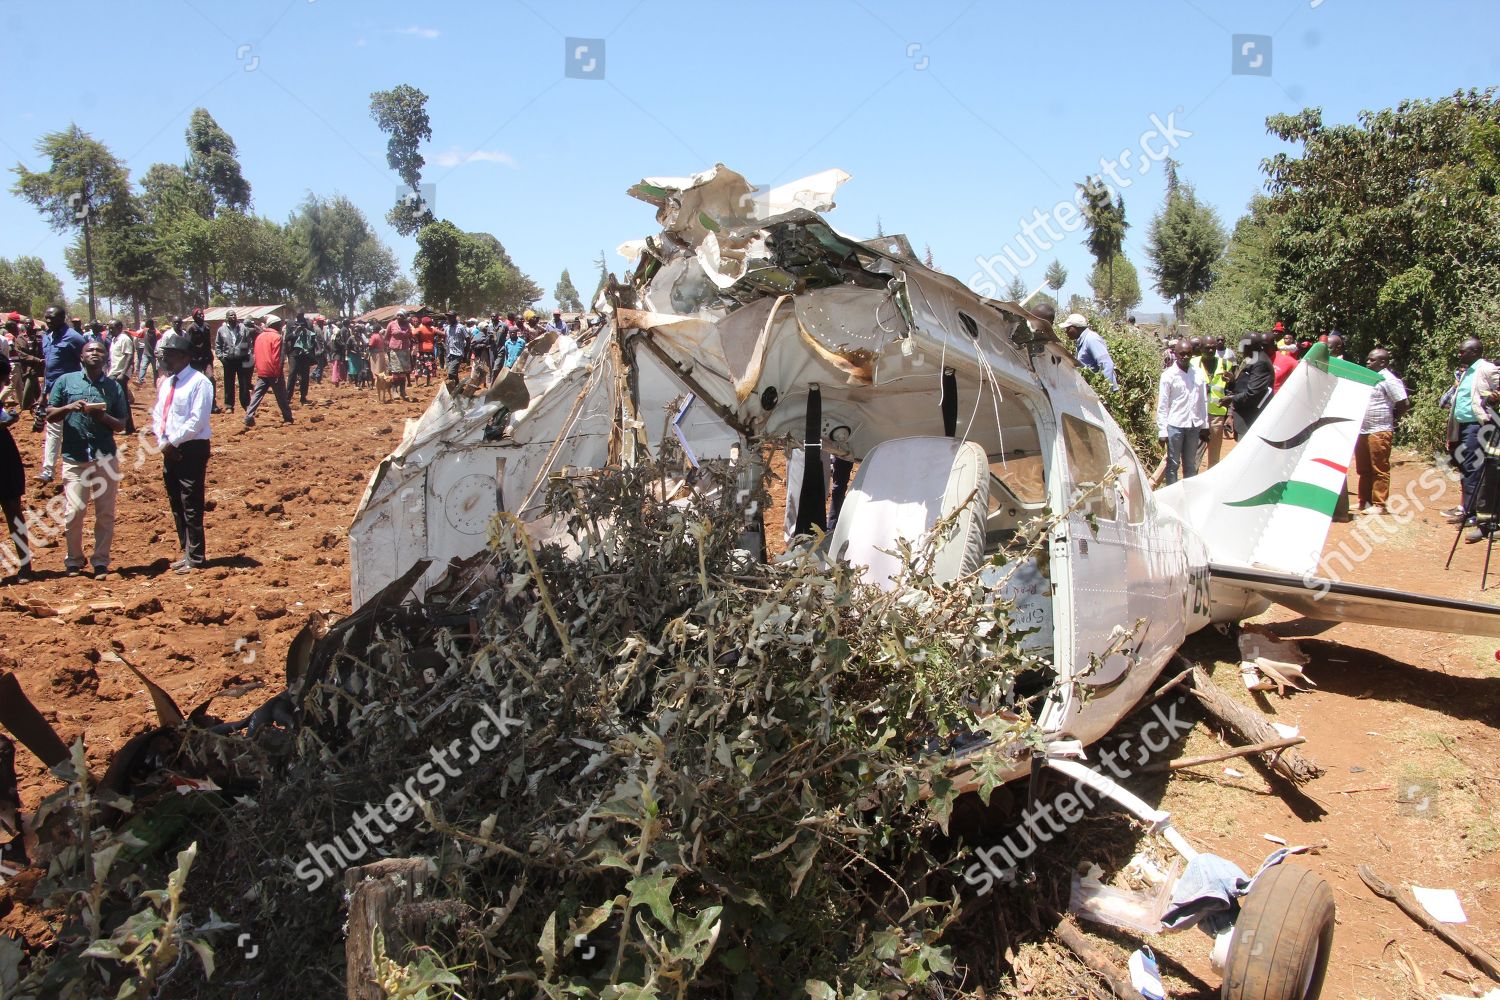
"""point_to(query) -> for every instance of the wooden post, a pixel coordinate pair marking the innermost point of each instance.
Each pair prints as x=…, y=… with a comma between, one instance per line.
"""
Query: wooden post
x=375, y=892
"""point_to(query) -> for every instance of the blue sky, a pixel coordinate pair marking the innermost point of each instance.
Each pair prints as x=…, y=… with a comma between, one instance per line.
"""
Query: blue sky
x=956, y=119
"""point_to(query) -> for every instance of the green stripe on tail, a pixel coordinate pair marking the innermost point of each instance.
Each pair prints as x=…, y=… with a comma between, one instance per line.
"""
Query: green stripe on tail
x=1338, y=367
x=1294, y=493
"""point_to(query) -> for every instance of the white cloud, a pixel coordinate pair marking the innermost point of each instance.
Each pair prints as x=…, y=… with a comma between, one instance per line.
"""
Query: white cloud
x=420, y=32
x=360, y=42
x=455, y=156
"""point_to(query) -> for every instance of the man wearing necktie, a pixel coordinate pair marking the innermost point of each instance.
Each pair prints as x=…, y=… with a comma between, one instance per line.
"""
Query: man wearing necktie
x=184, y=400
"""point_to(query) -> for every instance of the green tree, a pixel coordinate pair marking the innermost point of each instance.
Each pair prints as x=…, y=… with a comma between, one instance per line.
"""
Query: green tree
x=566, y=295
x=400, y=291
x=602, y=263
x=1056, y=276
x=214, y=166
x=1185, y=241
x=1240, y=299
x=1106, y=230
x=401, y=113
x=85, y=183
x=1389, y=229
x=343, y=259
x=1016, y=290
x=27, y=285
x=1116, y=286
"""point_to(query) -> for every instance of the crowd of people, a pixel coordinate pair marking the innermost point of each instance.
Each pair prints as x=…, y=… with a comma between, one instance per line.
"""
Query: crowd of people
x=1208, y=393
x=77, y=382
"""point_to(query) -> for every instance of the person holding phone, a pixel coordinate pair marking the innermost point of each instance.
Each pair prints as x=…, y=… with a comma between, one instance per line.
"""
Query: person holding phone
x=89, y=407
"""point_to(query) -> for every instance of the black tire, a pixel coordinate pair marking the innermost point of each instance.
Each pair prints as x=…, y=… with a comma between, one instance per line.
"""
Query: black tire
x=1282, y=939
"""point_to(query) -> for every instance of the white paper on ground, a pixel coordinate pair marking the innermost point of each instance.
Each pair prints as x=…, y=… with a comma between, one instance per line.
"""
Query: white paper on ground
x=1441, y=904
x=1287, y=732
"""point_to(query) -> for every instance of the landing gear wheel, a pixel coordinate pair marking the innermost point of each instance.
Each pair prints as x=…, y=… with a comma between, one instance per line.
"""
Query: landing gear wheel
x=1282, y=939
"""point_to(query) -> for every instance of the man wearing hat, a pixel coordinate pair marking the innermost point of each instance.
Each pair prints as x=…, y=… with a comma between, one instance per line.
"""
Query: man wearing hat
x=270, y=375
x=184, y=400
x=88, y=409
x=1092, y=351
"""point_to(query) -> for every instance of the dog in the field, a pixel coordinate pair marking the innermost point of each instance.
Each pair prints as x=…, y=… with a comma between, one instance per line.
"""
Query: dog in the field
x=383, y=387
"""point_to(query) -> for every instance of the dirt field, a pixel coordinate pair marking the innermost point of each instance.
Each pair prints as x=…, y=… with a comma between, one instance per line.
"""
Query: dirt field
x=1404, y=722
x=280, y=500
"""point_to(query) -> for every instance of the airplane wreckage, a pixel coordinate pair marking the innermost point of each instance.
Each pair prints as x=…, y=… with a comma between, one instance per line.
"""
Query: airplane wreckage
x=916, y=405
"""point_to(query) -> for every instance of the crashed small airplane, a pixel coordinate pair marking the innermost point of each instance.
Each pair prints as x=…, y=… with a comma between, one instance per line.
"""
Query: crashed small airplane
x=749, y=318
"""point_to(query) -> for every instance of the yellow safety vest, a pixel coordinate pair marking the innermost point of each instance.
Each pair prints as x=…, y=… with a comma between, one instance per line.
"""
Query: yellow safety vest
x=1217, y=383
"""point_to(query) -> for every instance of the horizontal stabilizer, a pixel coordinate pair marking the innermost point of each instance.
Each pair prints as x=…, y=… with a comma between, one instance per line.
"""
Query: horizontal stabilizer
x=1321, y=599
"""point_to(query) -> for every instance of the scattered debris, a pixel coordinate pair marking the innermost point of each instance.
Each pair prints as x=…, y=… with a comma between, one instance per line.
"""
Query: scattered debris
x=1482, y=959
x=1251, y=726
x=1441, y=904
x=1267, y=747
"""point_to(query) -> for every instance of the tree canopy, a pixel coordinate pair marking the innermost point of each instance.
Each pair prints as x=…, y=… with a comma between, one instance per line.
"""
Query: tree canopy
x=1184, y=243
x=401, y=113
x=27, y=285
x=566, y=295
x=1116, y=286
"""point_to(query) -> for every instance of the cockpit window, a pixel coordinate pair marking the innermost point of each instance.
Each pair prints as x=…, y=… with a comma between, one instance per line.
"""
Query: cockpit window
x=1022, y=474
x=1088, y=460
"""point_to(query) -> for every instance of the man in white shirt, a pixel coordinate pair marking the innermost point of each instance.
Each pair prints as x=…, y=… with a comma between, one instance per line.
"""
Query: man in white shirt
x=121, y=361
x=1372, y=449
x=184, y=400
x=1181, y=412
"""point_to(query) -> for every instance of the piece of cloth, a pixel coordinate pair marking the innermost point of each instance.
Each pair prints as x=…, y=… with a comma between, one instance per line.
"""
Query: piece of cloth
x=1182, y=450
x=84, y=482
x=232, y=345
x=1372, y=462
x=185, y=478
x=1181, y=400
x=1094, y=353
x=183, y=404
x=1380, y=411
x=1208, y=892
x=83, y=437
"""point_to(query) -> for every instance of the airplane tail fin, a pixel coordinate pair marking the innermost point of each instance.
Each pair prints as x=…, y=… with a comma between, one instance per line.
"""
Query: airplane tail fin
x=1268, y=504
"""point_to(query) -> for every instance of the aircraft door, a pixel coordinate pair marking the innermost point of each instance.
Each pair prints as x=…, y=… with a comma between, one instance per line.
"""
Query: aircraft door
x=1091, y=555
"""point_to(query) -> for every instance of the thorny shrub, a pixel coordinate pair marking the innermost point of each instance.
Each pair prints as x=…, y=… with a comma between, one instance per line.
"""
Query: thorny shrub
x=725, y=780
